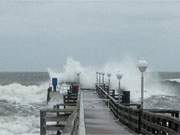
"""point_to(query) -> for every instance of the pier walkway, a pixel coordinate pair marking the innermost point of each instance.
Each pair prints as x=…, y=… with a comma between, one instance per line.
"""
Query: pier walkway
x=99, y=120
x=100, y=111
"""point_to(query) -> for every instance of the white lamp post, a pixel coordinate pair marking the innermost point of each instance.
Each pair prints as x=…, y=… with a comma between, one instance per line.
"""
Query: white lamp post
x=78, y=77
x=103, y=77
x=142, y=65
x=119, y=77
x=97, y=77
x=109, y=79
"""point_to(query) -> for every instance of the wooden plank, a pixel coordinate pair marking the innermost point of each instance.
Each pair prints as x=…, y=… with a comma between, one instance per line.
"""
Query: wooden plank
x=88, y=89
x=54, y=127
x=48, y=119
x=57, y=110
x=98, y=119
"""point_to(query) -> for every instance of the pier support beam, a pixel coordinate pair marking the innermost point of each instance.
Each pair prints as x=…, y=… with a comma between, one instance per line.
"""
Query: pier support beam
x=42, y=123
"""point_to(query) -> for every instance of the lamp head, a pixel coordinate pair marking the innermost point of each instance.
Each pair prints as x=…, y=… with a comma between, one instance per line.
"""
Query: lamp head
x=78, y=74
x=119, y=76
x=109, y=75
x=142, y=65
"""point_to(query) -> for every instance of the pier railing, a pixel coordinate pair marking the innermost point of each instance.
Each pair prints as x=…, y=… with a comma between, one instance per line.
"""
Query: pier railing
x=63, y=119
x=58, y=117
x=153, y=123
x=71, y=127
x=148, y=122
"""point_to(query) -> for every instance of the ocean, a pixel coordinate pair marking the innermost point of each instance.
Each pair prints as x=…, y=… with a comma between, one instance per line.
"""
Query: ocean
x=23, y=94
x=21, y=97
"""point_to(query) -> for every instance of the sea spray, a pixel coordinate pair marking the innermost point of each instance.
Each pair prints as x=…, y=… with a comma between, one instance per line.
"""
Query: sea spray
x=20, y=104
x=130, y=80
x=19, y=108
x=23, y=94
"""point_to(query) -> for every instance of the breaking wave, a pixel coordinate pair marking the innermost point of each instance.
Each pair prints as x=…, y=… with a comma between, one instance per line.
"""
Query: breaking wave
x=163, y=102
x=20, y=104
x=177, y=80
x=130, y=80
x=19, y=108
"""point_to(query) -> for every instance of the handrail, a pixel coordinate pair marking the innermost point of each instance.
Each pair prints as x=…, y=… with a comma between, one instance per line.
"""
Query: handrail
x=72, y=127
x=66, y=119
x=151, y=121
x=158, y=123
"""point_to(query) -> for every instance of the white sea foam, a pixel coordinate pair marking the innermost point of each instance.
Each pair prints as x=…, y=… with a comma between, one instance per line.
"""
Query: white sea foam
x=22, y=98
x=13, y=125
x=23, y=94
x=21, y=108
x=130, y=80
x=174, y=80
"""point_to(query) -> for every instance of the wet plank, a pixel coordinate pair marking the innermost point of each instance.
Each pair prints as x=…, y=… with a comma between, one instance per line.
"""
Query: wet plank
x=98, y=118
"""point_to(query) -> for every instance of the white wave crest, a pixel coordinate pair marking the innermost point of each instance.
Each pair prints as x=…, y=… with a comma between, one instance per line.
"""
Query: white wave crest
x=13, y=125
x=173, y=80
x=21, y=123
x=23, y=94
x=130, y=81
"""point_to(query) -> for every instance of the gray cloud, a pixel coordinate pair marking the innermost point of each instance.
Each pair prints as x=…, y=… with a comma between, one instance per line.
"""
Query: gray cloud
x=35, y=35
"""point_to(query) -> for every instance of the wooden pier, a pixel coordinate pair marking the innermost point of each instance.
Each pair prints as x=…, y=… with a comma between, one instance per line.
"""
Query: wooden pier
x=147, y=122
x=98, y=118
x=98, y=112
x=62, y=118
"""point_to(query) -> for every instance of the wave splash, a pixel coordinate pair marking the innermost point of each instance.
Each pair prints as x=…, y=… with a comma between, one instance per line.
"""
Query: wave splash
x=130, y=80
x=20, y=104
x=23, y=94
x=19, y=108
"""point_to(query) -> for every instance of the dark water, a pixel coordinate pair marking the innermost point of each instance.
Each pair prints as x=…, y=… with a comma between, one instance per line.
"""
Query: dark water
x=24, y=78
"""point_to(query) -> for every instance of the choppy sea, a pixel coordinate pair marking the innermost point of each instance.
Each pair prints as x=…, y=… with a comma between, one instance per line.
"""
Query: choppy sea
x=23, y=94
x=21, y=97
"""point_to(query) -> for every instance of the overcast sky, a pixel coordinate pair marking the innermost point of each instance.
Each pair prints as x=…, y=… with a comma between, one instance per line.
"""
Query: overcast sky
x=36, y=34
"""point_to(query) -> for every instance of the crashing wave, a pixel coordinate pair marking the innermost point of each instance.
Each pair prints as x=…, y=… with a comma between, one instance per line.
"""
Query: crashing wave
x=19, y=108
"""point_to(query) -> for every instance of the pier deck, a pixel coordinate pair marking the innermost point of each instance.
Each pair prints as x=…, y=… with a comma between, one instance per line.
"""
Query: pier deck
x=99, y=120
x=99, y=112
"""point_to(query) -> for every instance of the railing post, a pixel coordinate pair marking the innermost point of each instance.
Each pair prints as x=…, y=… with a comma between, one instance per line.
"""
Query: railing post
x=48, y=94
x=99, y=79
x=113, y=93
x=108, y=89
x=178, y=127
x=42, y=123
x=103, y=77
x=96, y=88
x=58, y=113
x=140, y=117
x=177, y=114
x=96, y=78
x=104, y=86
